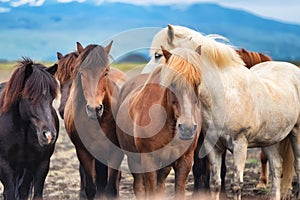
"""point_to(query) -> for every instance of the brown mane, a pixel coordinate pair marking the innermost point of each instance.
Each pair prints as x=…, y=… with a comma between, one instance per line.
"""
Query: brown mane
x=67, y=67
x=36, y=86
x=252, y=58
x=92, y=56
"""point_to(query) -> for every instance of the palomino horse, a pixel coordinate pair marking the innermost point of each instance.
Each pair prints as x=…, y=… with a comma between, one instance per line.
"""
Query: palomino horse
x=29, y=129
x=178, y=36
x=89, y=114
x=158, y=123
x=245, y=108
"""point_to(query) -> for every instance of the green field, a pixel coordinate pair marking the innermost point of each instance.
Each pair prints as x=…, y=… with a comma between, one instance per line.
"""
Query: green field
x=122, y=66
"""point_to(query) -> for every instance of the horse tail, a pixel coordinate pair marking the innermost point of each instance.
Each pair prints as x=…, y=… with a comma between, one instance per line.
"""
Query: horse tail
x=286, y=152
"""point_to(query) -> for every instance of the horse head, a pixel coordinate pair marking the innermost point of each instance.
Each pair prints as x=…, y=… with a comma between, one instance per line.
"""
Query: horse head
x=182, y=79
x=32, y=88
x=65, y=75
x=93, y=62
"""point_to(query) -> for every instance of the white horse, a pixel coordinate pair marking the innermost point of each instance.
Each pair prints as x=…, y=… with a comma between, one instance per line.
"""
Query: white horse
x=240, y=107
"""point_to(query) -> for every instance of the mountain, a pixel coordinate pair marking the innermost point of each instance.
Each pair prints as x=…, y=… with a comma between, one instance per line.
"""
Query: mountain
x=39, y=32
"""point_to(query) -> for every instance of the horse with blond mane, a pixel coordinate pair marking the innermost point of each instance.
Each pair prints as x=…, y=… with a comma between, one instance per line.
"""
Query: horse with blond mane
x=244, y=108
x=158, y=123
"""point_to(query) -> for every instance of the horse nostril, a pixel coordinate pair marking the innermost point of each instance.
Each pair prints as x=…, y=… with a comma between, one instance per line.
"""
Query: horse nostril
x=194, y=127
x=99, y=110
x=180, y=127
x=48, y=136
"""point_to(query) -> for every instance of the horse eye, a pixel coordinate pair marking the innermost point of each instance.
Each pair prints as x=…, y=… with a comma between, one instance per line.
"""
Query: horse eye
x=157, y=56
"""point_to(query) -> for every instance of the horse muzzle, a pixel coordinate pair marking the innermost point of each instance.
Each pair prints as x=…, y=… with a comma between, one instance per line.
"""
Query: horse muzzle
x=94, y=112
x=47, y=138
x=186, y=132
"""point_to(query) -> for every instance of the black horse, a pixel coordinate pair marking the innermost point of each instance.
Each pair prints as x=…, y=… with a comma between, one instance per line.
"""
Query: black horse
x=28, y=129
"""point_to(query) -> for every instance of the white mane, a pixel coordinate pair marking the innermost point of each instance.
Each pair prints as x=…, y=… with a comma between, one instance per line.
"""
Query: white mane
x=221, y=54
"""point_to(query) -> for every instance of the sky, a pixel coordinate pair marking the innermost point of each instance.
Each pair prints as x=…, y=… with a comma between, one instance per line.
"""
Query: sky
x=285, y=11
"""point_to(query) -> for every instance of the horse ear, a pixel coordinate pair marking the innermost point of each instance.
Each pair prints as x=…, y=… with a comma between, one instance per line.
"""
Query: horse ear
x=59, y=55
x=79, y=47
x=170, y=34
x=198, y=49
x=108, y=47
x=28, y=70
x=52, y=70
x=166, y=53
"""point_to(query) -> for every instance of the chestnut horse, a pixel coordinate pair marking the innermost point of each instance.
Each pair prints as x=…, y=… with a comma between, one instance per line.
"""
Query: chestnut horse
x=29, y=129
x=178, y=36
x=158, y=123
x=89, y=114
x=251, y=58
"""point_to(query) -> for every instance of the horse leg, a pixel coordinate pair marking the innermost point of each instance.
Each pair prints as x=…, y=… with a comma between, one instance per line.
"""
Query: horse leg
x=200, y=168
x=150, y=181
x=112, y=187
x=149, y=175
x=162, y=174
x=88, y=164
x=82, y=194
x=24, y=184
x=39, y=177
x=295, y=140
x=138, y=182
x=239, y=158
x=182, y=169
x=275, y=162
x=7, y=178
x=101, y=177
x=223, y=171
x=215, y=159
x=263, y=179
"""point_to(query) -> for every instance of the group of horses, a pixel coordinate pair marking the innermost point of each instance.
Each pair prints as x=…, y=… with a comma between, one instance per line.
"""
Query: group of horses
x=193, y=101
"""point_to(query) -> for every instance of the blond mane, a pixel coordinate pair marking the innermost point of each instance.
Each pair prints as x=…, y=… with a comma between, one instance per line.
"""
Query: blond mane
x=181, y=70
x=221, y=54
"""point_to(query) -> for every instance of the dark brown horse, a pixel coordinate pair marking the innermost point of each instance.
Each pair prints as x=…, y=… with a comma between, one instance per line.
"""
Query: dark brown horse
x=88, y=114
x=158, y=123
x=29, y=129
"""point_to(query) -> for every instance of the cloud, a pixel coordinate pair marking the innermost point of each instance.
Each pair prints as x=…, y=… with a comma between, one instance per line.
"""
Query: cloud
x=4, y=10
x=30, y=2
x=68, y=1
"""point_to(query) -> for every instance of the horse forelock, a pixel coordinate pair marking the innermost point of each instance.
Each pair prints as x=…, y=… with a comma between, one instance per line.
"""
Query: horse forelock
x=39, y=84
x=93, y=56
x=182, y=70
x=66, y=67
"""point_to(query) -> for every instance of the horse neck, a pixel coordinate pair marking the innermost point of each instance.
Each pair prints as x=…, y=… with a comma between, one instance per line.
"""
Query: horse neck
x=212, y=92
x=77, y=93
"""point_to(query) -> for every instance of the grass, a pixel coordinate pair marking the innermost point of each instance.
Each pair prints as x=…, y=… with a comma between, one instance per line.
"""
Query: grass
x=122, y=66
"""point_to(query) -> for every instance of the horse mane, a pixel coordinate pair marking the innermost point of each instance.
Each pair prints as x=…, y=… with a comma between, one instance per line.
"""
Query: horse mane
x=36, y=86
x=181, y=69
x=67, y=67
x=92, y=56
x=221, y=54
x=252, y=58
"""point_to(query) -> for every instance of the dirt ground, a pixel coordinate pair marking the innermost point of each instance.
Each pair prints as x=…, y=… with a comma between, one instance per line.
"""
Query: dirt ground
x=62, y=181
